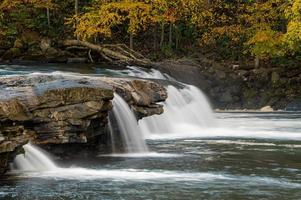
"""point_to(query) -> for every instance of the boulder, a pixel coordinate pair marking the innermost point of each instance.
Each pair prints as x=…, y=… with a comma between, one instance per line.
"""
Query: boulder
x=45, y=44
x=267, y=109
x=18, y=44
x=11, y=53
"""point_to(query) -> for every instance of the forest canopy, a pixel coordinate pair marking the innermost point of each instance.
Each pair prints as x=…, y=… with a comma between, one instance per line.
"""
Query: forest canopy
x=233, y=29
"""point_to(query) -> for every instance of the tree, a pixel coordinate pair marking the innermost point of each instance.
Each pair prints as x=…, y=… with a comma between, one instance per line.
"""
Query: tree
x=293, y=34
x=265, y=20
x=104, y=16
x=18, y=14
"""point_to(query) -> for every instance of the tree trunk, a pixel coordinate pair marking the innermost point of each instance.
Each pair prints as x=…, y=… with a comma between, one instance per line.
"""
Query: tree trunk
x=48, y=17
x=257, y=61
x=162, y=35
x=76, y=14
x=177, y=35
x=131, y=41
x=76, y=7
x=155, y=38
x=113, y=53
x=170, y=35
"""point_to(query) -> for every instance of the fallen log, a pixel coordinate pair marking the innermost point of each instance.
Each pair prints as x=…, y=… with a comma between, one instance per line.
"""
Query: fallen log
x=113, y=53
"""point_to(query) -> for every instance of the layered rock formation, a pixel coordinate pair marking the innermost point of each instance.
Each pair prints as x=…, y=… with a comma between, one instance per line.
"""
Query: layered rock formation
x=59, y=110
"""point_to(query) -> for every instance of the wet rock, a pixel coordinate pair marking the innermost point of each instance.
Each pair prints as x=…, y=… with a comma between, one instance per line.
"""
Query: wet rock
x=226, y=97
x=58, y=109
x=77, y=60
x=11, y=53
x=13, y=137
x=294, y=105
x=141, y=95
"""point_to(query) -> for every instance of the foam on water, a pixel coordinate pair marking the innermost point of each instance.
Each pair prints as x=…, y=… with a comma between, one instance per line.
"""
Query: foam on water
x=185, y=110
x=244, y=143
x=187, y=114
x=124, y=174
x=226, y=133
x=141, y=155
x=33, y=160
x=157, y=176
x=130, y=132
x=138, y=72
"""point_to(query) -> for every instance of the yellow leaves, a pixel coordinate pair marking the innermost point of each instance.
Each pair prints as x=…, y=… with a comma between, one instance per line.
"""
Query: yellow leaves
x=137, y=15
x=107, y=15
x=233, y=34
x=8, y=5
x=296, y=8
x=266, y=43
x=293, y=34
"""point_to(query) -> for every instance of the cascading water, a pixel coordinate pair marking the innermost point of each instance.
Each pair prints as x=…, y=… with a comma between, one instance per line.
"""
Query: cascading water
x=33, y=160
x=131, y=133
x=185, y=110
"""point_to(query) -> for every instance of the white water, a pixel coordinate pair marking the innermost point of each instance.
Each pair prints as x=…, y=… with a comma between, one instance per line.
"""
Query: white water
x=185, y=110
x=138, y=72
x=33, y=160
x=35, y=163
x=187, y=114
x=130, y=132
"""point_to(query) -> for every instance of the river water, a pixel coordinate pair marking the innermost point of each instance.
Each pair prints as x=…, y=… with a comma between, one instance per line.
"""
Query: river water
x=240, y=156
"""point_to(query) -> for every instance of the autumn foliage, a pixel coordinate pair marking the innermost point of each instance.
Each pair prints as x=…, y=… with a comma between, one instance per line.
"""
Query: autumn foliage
x=233, y=29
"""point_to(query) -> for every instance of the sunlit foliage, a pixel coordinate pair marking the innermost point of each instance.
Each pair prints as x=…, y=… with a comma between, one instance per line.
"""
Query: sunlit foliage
x=233, y=29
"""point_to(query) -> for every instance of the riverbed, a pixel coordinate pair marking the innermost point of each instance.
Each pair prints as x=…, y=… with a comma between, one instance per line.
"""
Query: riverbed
x=240, y=156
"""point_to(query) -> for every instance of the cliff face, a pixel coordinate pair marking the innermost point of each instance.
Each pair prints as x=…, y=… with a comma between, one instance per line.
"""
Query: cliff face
x=57, y=110
x=240, y=86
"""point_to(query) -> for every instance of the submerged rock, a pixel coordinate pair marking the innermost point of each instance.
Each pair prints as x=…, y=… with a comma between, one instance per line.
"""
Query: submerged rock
x=65, y=109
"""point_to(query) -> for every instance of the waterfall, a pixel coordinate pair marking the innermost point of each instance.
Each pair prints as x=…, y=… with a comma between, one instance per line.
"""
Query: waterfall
x=185, y=110
x=33, y=160
x=131, y=133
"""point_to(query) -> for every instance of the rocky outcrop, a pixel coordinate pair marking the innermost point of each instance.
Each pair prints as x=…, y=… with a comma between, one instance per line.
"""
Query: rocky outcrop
x=58, y=110
x=234, y=86
x=223, y=87
x=294, y=105
x=141, y=95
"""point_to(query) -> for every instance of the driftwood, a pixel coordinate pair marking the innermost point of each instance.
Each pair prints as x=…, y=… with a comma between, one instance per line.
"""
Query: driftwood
x=118, y=53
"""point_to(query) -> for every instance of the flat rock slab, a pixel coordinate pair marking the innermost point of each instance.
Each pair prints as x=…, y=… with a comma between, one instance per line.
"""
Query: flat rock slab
x=63, y=109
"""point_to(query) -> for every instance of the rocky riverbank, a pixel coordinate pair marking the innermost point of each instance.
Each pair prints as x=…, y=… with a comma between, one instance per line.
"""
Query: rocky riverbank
x=57, y=110
x=239, y=86
x=229, y=86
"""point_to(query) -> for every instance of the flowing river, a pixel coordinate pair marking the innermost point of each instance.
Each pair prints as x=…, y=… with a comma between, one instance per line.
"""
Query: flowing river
x=189, y=152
